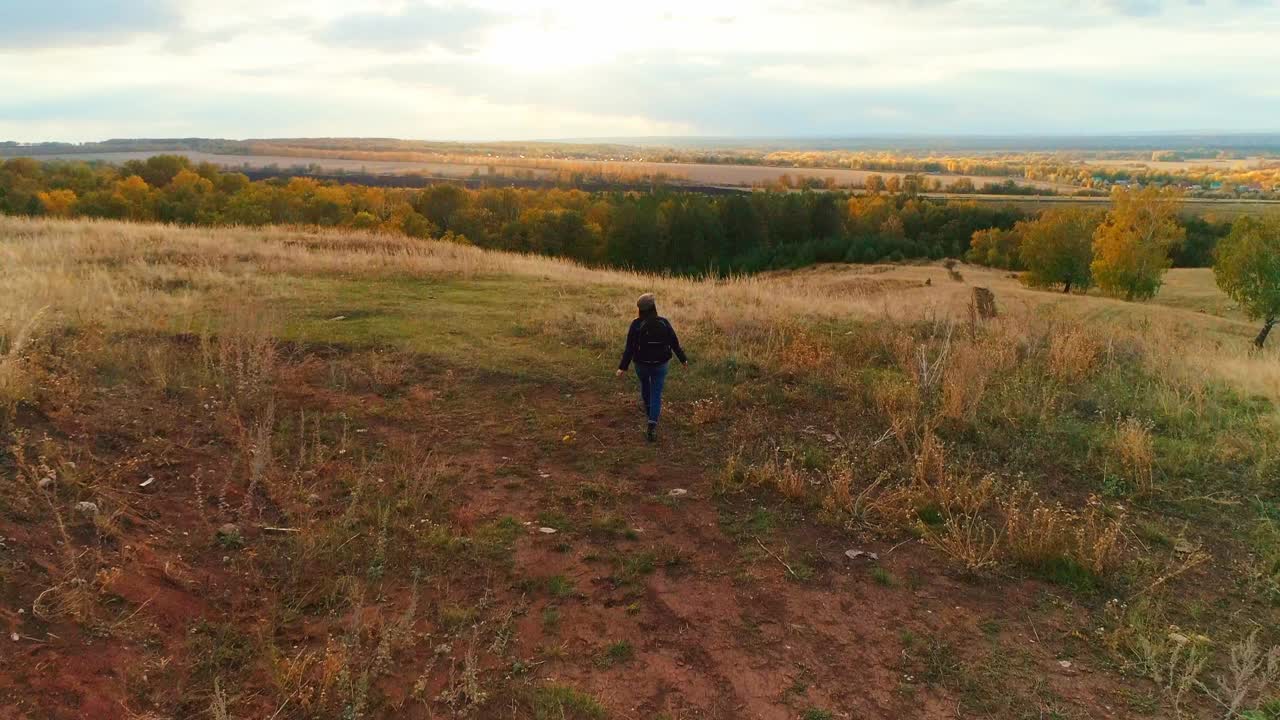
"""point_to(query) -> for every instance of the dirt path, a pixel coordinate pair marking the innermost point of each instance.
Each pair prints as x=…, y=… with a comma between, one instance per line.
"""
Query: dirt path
x=654, y=602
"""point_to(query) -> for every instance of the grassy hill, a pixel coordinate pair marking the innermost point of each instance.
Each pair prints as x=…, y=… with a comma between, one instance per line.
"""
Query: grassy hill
x=295, y=474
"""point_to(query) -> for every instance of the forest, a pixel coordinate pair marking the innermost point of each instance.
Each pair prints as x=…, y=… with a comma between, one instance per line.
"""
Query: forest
x=661, y=230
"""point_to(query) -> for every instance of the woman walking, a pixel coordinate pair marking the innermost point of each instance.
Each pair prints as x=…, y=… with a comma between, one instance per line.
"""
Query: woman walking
x=651, y=342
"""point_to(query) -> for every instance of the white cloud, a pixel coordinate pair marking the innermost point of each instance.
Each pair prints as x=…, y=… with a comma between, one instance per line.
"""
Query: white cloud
x=559, y=68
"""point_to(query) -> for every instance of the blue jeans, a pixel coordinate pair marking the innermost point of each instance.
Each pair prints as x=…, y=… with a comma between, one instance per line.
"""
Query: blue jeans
x=652, y=378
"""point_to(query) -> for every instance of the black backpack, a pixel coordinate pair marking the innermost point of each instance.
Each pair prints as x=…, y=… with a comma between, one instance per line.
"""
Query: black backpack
x=653, y=341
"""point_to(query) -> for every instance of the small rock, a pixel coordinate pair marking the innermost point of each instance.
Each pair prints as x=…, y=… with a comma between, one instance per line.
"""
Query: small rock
x=84, y=507
x=229, y=535
x=1065, y=664
x=855, y=554
x=1178, y=638
x=677, y=492
x=46, y=482
x=14, y=637
x=547, y=530
x=147, y=483
x=338, y=317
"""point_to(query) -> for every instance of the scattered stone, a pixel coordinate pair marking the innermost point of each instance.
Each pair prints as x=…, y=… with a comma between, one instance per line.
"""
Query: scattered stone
x=14, y=637
x=147, y=482
x=547, y=530
x=229, y=536
x=1179, y=638
x=338, y=317
x=855, y=554
x=984, y=303
x=84, y=507
x=46, y=482
x=677, y=492
x=1065, y=664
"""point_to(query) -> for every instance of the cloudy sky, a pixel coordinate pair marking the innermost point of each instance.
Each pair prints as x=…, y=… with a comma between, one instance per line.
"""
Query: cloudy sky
x=483, y=69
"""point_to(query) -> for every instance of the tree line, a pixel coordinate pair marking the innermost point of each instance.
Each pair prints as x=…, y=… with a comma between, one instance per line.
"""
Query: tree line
x=661, y=230
x=1126, y=250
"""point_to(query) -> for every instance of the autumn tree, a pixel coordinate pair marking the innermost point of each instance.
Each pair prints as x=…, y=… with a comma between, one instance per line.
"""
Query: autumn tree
x=1131, y=247
x=439, y=203
x=995, y=247
x=136, y=196
x=57, y=203
x=1057, y=248
x=1248, y=269
x=874, y=184
x=893, y=184
x=186, y=198
x=913, y=184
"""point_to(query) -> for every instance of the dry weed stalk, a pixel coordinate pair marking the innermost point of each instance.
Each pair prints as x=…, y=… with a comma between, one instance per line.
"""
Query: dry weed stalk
x=1038, y=535
x=1073, y=353
x=966, y=381
x=13, y=346
x=242, y=358
x=1250, y=675
x=967, y=539
x=1135, y=450
x=218, y=705
x=256, y=446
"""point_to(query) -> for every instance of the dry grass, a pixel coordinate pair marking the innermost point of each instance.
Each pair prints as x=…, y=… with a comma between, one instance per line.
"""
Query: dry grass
x=968, y=540
x=932, y=421
x=1040, y=536
x=1135, y=453
x=152, y=277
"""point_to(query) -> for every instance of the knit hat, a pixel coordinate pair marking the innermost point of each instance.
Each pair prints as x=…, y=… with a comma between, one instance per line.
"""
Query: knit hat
x=646, y=302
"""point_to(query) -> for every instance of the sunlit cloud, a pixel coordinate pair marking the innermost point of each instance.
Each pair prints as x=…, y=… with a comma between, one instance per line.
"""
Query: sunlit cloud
x=483, y=69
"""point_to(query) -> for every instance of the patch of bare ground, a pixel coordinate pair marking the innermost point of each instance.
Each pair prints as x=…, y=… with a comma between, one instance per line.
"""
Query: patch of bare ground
x=640, y=598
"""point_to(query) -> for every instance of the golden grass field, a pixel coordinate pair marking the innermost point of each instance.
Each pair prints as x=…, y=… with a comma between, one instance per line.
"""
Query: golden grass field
x=466, y=166
x=335, y=474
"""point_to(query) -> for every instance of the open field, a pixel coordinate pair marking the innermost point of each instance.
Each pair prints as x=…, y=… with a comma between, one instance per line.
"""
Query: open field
x=1224, y=209
x=1248, y=163
x=701, y=174
x=288, y=473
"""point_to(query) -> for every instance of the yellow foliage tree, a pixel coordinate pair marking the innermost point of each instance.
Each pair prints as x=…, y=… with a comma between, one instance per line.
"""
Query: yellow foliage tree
x=1131, y=248
x=57, y=202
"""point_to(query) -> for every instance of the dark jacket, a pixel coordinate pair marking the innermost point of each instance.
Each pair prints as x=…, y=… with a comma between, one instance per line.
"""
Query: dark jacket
x=651, y=341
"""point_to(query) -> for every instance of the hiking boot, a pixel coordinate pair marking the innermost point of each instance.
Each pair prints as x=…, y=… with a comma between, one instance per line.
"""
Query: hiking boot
x=652, y=433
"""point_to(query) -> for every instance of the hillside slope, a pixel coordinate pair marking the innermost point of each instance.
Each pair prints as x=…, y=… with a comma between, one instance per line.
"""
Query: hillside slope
x=290, y=474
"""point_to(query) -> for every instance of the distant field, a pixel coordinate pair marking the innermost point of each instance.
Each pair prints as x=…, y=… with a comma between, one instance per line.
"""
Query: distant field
x=730, y=175
x=1248, y=163
x=377, y=167
x=1225, y=209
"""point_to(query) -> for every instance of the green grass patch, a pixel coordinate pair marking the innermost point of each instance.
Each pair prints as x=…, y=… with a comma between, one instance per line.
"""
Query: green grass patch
x=616, y=654
x=559, y=587
x=560, y=702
